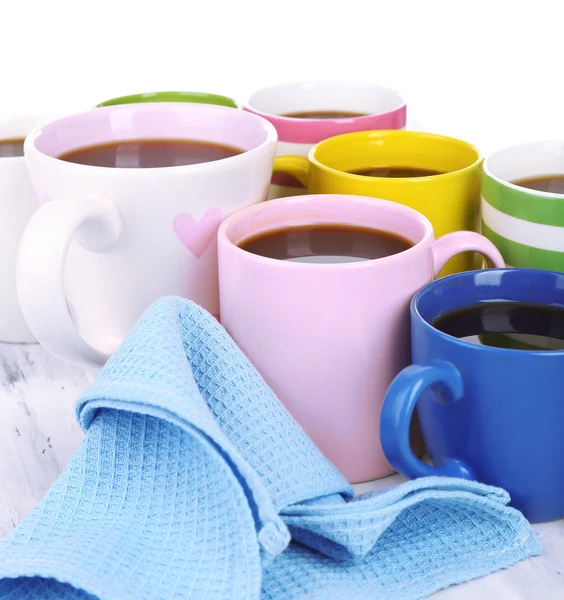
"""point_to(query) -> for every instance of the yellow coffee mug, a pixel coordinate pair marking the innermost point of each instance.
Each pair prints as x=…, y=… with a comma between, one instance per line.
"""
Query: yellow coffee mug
x=449, y=199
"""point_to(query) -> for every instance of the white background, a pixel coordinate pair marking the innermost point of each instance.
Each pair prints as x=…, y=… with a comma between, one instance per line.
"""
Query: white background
x=490, y=72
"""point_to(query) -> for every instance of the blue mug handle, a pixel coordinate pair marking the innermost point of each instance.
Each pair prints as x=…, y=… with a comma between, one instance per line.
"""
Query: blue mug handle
x=395, y=420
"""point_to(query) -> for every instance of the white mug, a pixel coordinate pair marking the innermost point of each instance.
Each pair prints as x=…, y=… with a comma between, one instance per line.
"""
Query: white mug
x=18, y=201
x=109, y=241
x=378, y=107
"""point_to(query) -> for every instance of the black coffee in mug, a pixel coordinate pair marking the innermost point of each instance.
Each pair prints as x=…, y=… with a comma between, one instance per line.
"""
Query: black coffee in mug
x=149, y=153
x=395, y=172
x=545, y=183
x=324, y=114
x=539, y=326
x=11, y=147
x=325, y=243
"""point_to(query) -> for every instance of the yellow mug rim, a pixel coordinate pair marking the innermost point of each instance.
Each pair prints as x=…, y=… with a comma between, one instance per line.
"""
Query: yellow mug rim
x=384, y=133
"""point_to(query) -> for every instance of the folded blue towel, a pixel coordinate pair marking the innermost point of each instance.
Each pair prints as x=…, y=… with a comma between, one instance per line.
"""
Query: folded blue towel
x=193, y=482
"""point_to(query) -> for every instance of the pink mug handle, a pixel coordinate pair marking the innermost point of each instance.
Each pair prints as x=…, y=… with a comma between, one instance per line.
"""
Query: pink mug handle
x=454, y=243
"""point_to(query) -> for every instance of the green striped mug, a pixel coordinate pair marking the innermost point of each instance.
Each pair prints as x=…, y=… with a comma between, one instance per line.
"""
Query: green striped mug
x=196, y=97
x=526, y=225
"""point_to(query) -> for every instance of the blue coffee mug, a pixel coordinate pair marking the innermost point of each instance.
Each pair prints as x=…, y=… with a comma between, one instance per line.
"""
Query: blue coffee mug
x=487, y=413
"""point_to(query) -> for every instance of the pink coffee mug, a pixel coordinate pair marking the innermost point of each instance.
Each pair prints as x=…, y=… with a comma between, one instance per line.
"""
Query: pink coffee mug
x=329, y=338
x=380, y=107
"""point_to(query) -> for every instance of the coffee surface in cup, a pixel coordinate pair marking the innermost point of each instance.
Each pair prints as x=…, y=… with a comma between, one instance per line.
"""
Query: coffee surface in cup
x=325, y=243
x=539, y=325
x=395, y=172
x=544, y=183
x=11, y=147
x=149, y=153
x=323, y=114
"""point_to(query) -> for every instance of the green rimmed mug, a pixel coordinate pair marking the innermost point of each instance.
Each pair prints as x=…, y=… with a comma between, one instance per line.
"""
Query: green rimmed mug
x=196, y=97
x=526, y=225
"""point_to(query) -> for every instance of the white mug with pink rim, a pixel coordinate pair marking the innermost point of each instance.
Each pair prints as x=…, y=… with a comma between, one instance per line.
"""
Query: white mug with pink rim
x=325, y=109
x=109, y=241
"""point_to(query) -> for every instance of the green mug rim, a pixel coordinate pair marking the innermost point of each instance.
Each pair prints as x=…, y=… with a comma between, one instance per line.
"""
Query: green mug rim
x=534, y=206
x=171, y=96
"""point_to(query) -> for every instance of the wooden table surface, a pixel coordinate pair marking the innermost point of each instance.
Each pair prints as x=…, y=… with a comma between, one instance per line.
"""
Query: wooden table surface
x=39, y=433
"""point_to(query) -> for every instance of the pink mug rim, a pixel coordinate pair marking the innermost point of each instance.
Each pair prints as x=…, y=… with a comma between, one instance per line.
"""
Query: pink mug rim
x=30, y=147
x=245, y=214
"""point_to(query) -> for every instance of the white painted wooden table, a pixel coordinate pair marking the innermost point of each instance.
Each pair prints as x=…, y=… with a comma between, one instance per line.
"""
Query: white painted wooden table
x=39, y=433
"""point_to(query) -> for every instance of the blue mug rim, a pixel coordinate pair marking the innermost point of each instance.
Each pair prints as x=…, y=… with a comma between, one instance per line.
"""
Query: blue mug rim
x=472, y=347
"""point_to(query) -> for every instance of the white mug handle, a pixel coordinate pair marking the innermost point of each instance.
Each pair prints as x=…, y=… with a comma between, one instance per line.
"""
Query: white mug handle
x=96, y=225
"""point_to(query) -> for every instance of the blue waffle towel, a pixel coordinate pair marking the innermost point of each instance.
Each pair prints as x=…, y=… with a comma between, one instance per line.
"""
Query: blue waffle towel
x=193, y=482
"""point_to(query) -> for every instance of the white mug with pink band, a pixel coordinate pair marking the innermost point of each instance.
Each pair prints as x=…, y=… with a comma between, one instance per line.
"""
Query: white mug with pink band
x=307, y=113
x=108, y=241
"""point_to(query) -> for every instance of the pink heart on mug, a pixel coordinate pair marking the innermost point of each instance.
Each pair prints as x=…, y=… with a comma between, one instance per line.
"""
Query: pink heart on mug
x=197, y=235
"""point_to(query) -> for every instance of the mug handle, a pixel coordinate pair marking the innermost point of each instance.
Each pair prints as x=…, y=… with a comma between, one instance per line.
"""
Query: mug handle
x=405, y=390
x=395, y=420
x=96, y=225
x=454, y=243
x=295, y=165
